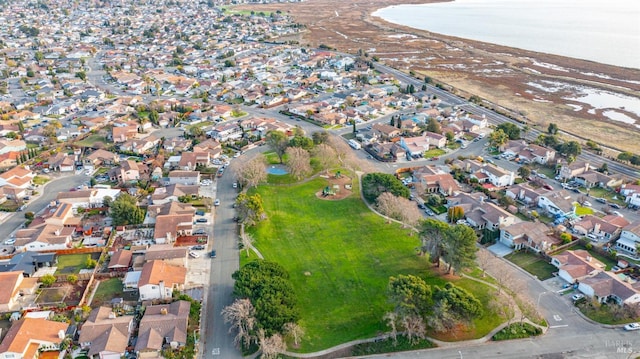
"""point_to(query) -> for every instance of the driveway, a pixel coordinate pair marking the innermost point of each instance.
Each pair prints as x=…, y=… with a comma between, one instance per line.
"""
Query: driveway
x=500, y=249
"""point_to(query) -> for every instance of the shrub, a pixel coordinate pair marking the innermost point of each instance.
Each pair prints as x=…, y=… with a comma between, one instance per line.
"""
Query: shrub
x=72, y=278
x=516, y=331
x=47, y=280
x=90, y=262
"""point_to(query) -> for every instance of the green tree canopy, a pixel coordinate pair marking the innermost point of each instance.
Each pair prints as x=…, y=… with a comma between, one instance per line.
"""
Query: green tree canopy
x=124, y=210
x=460, y=247
x=552, y=129
x=267, y=285
x=278, y=142
x=433, y=125
x=301, y=141
x=498, y=138
x=373, y=184
x=250, y=208
x=410, y=295
x=510, y=129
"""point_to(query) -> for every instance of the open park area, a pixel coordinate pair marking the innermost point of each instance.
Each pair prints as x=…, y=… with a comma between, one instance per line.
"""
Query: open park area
x=340, y=256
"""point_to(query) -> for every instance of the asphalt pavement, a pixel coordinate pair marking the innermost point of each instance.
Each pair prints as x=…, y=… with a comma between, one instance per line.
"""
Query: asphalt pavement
x=47, y=193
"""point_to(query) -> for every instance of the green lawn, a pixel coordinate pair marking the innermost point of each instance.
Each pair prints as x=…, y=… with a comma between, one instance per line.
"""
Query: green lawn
x=107, y=290
x=71, y=263
x=434, y=153
x=340, y=257
x=40, y=180
x=604, y=193
x=532, y=263
x=583, y=211
x=91, y=140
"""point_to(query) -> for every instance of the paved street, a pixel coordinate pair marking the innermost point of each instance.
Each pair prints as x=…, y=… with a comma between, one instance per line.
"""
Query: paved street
x=217, y=342
x=48, y=193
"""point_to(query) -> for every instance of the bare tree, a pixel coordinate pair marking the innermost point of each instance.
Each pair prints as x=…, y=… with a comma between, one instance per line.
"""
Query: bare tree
x=271, y=346
x=414, y=328
x=443, y=318
x=252, y=173
x=392, y=322
x=326, y=155
x=241, y=315
x=484, y=259
x=398, y=208
x=298, y=162
x=295, y=331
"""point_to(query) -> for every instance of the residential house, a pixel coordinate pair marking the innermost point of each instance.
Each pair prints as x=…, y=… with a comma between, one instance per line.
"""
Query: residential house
x=479, y=212
x=120, y=260
x=557, y=203
x=14, y=285
x=88, y=198
x=43, y=237
x=190, y=160
x=575, y=266
x=495, y=175
x=184, y=177
x=28, y=262
x=590, y=179
x=159, y=279
x=173, y=192
x=385, y=131
x=101, y=157
x=569, y=171
x=539, y=154
x=225, y=132
x=606, y=228
x=176, y=256
x=607, y=286
x=7, y=145
x=523, y=192
x=17, y=177
x=211, y=146
x=416, y=146
x=29, y=338
x=105, y=335
x=172, y=219
x=629, y=239
x=161, y=325
x=62, y=162
x=433, y=180
x=129, y=171
x=531, y=235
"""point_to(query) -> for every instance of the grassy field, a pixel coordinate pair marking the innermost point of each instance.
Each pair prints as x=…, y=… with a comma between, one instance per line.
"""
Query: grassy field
x=71, y=263
x=340, y=257
x=532, y=264
x=91, y=140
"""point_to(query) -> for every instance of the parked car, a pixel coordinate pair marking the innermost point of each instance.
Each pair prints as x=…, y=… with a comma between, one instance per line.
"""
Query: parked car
x=601, y=200
x=586, y=204
x=617, y=213
x=200, y=212
x=201, y=220
x=632, y=326
x=421, y=206
x=614, y=205
x=235, y=184
x=577, y=296
x=212, y=254
x=10, y=241
x=217, y=202
x=193, y=254
x=198, y=247
x=547, y=186
x=199, y=232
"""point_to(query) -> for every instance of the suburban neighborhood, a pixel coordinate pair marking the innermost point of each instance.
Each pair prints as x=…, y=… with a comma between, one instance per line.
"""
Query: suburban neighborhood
x=134, y=142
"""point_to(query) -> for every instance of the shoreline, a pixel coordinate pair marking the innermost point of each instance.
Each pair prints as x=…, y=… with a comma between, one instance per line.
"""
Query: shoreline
x=497, y=73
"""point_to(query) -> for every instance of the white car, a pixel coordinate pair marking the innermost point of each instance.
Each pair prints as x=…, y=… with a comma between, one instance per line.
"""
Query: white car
x=217, y=202
x=193, y=254
x=617, y=213
x=235, y=184
x=632, y=326
x=577, y=297
x=10, y=241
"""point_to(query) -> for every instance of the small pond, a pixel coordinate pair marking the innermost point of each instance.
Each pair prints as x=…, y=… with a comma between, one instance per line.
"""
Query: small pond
x=277, y=170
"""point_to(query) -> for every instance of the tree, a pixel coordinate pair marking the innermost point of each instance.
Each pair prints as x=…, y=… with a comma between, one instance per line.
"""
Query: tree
x=125, y=210
x=241, y=315
x=410, y=295
x=81, y=75
x=302, y=142
x=90, y=262
x=320, y=137
x=325, y=155
x=270, y=346
x=524, y=172
x=552, y=129
x=267, y=285
x=294, y=331
x=278, y=142
x=433, y=125
x=298, y=162
x=510, y=129
x=484, y=259
x=252, y=173
x=460, y=247
x=250, y=208
x=625, y=156
x=604, y=168
x=498, y=138
x=47, y=280
x=398, y=208
x=432, y=236
x=571, y=148
x=374, y=184
x=196, y=131
x=414, y=328
x=106, y=201
x=391, y=318
x=455, y=213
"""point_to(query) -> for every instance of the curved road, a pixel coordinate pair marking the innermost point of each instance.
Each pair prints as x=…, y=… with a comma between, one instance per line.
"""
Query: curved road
x=48, y=192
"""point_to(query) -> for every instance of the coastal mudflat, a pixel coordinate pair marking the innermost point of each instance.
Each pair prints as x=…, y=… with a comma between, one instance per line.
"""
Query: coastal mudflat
x=587, y=100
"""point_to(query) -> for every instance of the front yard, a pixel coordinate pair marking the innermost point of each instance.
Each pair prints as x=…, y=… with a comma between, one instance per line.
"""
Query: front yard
x=73, y=263
x=434, y=153
x=533, y=264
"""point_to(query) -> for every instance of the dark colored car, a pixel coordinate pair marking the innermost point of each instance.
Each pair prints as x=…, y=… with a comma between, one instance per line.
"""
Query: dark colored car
x=200, y=213
x=614, y=205
x=546, y=186
x=201, y=220
x=198, y=247
x=421, y=206
x=212, y=254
